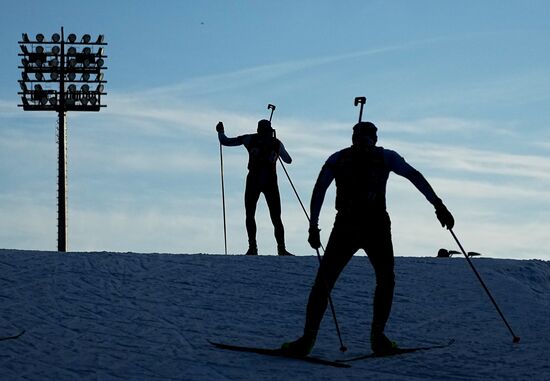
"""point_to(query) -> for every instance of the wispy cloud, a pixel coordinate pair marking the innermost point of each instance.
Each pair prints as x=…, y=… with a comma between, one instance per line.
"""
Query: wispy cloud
x=269, y=72
x=488, y=162
x=123, y=159
x=523, y=87
x=162, y=117
x=481, y=191
x=542, y=144
x=445, y=126
x=327, y=137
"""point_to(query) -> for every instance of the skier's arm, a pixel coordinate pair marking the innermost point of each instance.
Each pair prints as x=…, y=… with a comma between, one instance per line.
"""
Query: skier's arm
x=232, y=142
x=398, y=165
x=319, y=191
x=325, y=178
x=284, y=154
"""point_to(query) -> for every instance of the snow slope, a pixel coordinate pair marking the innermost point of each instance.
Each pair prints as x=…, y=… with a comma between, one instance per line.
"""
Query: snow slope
x=127, y=316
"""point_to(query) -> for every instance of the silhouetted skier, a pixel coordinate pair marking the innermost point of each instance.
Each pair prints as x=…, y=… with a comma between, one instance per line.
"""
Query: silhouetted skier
x=263, y=151
x=362, y=222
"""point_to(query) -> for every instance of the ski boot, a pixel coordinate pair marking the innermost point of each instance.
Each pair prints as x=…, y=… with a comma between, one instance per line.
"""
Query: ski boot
x=299, y=348
x=381, y=345
x=252, y=250
x=281, y=251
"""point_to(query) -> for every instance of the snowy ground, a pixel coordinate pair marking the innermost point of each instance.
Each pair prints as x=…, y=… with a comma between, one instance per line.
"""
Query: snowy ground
x=113, y=316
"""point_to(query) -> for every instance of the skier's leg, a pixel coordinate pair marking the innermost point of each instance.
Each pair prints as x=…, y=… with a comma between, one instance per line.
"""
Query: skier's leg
x=273, y=200
x=380, y=251
x=340, y=249
x=383, y=294
x=251, y=196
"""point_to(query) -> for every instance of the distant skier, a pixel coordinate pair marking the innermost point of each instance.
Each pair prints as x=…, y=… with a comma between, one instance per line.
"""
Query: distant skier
x=263, y=151
x=362, y=222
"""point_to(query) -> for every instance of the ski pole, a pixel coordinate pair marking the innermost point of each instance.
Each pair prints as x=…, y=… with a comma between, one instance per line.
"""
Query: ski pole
x=223, y=202
x=343, y=348
x=362, y=101
x=272, y=108
x=515, y=338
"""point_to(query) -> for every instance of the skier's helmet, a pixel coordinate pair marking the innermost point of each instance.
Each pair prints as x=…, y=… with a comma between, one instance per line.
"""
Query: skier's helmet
x=364, y=133
x=264, y=127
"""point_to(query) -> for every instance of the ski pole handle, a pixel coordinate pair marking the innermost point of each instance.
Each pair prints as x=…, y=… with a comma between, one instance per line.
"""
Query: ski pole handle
x=272, y=108
x=361, y=101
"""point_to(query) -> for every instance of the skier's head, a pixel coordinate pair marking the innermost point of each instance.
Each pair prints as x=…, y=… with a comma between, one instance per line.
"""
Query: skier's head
x=364, y=134
x=264, y=128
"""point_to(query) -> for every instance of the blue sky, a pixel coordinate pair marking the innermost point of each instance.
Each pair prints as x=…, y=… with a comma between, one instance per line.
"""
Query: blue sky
x=460, y=89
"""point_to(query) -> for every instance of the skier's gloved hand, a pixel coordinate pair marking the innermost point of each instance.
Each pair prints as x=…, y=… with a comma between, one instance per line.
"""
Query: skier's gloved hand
x=443, y=215
x=314, y=238
x=219, y=127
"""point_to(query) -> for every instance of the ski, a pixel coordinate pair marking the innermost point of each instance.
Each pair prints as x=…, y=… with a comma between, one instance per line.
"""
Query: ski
x=2, y=338
x=396, y=352
x=279, y=353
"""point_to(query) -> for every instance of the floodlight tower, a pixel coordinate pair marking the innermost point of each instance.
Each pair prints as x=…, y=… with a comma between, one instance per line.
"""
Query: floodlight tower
x=51, y=72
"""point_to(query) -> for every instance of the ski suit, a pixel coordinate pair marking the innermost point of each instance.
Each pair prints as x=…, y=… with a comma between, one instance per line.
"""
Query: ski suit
x=361, y=222
x=263, y=152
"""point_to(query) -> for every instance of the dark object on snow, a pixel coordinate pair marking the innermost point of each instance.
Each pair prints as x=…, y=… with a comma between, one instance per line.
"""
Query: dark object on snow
x=444, y=253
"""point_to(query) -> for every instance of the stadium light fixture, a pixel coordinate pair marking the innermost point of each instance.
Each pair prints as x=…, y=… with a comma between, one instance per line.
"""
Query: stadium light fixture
x=48, y=83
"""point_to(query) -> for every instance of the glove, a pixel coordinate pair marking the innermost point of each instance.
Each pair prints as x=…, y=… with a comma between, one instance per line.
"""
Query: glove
x=314, y=239
x=219, y=127
x=444, y=216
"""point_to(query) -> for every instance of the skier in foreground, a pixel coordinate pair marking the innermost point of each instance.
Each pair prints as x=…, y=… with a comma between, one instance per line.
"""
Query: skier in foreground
x=263, y=151
x=362, y=222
